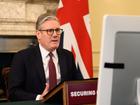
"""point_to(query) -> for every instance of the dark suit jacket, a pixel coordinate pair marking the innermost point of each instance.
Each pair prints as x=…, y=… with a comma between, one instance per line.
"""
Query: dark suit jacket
x=27, y=77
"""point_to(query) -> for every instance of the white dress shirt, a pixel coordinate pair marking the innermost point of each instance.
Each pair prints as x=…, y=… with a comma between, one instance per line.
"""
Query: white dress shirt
x=45, y=60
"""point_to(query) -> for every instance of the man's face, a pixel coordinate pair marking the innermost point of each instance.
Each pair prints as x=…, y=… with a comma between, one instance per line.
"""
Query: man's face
x=49, y=39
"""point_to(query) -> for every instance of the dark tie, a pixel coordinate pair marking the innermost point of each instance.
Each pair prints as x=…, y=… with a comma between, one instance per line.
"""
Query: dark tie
x=52, y=73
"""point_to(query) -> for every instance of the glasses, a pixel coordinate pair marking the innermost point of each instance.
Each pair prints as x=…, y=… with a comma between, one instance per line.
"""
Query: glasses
x=50, y=32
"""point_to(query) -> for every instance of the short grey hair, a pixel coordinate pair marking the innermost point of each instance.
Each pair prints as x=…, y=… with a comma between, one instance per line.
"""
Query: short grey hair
x=44, y=17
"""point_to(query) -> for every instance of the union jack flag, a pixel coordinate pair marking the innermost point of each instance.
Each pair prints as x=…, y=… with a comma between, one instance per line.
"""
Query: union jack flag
x=74, y=18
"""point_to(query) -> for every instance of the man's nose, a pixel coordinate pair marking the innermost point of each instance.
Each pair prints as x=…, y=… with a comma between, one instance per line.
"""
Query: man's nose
x=54, y=33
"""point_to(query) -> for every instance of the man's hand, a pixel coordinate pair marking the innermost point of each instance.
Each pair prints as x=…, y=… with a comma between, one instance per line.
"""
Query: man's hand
x=44, y=92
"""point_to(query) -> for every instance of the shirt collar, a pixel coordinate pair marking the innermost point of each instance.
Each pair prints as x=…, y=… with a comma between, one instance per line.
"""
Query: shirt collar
x=45, y=52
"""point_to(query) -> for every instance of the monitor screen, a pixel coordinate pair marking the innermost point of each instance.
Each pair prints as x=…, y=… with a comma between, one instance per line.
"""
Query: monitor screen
x=120, y=61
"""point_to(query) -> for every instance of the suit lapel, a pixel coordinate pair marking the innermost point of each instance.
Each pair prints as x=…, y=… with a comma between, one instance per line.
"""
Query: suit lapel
x=39, y=64
x=62, y=63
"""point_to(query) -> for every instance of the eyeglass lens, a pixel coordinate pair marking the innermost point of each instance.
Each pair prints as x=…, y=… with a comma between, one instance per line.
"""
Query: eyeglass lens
x=51, y=31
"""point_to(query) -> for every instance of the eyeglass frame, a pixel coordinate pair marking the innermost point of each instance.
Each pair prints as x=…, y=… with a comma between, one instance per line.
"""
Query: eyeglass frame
x=47, y=31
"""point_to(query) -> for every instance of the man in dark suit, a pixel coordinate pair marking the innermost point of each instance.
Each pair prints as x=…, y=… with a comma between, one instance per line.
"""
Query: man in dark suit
x=29, y=76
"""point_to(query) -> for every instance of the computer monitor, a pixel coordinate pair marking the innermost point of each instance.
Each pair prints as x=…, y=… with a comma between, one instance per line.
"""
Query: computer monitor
x=119, y=72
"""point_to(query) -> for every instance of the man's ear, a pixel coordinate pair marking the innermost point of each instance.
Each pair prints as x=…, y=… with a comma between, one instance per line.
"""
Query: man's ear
x=38, y=34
